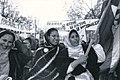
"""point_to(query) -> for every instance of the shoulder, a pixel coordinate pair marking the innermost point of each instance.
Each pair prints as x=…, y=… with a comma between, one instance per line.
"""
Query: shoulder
x=39, y=51
x=62, y=47
x=40, y=48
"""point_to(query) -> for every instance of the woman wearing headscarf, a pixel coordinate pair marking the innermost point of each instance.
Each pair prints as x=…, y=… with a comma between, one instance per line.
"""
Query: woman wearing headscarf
x=82, y=67
x=51, y=60
x=7, y=39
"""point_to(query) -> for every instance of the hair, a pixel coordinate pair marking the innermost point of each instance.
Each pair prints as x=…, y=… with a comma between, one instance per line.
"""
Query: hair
x=73, y=31
x=4, y=32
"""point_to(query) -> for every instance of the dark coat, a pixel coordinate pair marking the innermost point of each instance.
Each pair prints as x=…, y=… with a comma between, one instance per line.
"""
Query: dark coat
x=58, y=65
x=18, y=58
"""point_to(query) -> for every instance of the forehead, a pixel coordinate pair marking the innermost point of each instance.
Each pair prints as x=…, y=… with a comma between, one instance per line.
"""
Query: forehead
x=73, y=34
x=54, y=33
x=8, y=37
x=26, y=41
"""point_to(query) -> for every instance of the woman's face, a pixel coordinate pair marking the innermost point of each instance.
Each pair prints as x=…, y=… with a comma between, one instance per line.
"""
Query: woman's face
x=74, y=39
x=6, y=42
x=54, y=38
x=27, y=43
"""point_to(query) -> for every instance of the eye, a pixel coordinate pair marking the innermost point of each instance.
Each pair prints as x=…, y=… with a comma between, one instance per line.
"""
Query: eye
x=10, y=42
x=4, y=40
x=72, y=36
x=53, y=36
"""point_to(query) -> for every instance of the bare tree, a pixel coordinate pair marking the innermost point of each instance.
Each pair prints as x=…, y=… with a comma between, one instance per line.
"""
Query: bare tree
x=77, y=10
x=5, y=7
x=95, y=12
x=13, y=18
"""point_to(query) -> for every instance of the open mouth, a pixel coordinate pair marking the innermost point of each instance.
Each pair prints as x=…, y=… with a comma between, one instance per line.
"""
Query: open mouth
x=4, y=47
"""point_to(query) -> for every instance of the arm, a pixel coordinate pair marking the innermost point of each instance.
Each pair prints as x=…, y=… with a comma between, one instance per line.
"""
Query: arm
x=76, y=66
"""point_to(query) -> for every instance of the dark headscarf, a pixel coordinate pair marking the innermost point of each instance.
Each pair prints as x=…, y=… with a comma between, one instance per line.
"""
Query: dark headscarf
x=47, y=34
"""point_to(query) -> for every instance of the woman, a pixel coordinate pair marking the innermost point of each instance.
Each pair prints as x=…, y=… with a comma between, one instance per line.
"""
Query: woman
x=29, y=42
x=19, y=56
x=50, y=61
x=82, y=67
x=31, y=45
x=7, y=39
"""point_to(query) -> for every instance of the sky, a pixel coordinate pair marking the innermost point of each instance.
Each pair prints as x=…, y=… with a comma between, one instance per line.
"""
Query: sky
x=47, y=10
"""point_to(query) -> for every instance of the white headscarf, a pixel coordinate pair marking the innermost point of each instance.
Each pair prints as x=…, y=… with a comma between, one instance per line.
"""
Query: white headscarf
x=74, y=52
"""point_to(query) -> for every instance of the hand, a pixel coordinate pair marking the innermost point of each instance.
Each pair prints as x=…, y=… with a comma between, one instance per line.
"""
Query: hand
x=67, y=76
x=81, y=60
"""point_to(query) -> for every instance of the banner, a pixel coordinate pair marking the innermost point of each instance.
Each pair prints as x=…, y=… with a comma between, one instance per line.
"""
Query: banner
x=73, y=24
x=80, y=25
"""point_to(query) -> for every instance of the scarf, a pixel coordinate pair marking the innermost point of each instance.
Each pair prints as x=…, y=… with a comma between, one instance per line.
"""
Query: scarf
x=74, y=52
x=4, y=62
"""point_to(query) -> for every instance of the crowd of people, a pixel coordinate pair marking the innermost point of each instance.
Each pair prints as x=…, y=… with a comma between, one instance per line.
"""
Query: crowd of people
x=26, y=59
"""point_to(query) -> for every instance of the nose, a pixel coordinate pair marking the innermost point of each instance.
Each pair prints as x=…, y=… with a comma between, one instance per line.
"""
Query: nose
x=76, y=38
x=56, y=37
x=6, y=43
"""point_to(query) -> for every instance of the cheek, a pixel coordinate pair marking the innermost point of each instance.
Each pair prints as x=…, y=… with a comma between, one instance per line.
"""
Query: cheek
x=10, y=44
x=1, y=42
x=71, y=41
x=51, y=40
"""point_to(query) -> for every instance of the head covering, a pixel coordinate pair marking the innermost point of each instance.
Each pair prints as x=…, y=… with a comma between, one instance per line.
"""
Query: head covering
x=4, y=60
x=47, y=34
x=74, y=52
x=3, y=32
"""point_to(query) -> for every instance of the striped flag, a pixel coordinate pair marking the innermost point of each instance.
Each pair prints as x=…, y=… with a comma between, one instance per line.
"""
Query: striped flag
x=109, y=34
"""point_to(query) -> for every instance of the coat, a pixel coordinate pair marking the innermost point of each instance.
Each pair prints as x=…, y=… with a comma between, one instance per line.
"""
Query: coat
x=49, y=63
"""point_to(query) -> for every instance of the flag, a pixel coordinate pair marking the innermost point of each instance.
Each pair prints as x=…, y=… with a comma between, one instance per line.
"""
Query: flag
x=107, y=37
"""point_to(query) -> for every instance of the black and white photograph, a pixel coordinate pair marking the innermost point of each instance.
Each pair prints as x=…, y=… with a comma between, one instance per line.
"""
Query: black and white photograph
x=59, y=39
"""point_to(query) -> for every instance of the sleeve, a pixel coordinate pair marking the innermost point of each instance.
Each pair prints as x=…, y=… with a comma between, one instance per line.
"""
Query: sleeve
x=100, y=53
x=78, y=70
x=70, y=69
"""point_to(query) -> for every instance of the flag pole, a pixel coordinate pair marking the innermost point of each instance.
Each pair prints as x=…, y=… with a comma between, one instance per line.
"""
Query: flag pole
x=97, y=30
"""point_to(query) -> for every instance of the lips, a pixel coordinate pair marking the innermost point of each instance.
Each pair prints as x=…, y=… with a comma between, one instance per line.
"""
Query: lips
x=75, y=42
x=4, y=47
x=56, y=41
